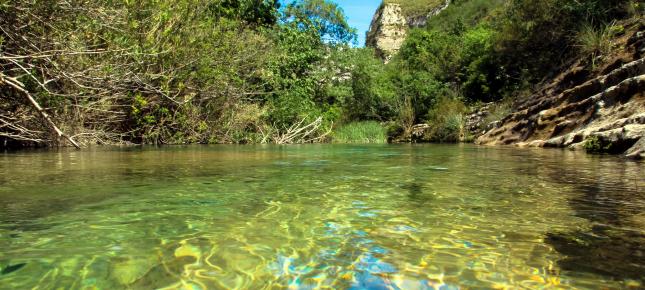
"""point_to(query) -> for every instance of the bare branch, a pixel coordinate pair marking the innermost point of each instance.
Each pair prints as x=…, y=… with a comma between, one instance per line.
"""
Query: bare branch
x=20, y=87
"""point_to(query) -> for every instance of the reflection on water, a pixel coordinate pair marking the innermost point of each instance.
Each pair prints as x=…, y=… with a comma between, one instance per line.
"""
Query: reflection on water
x=320, y=216
x=613, y=203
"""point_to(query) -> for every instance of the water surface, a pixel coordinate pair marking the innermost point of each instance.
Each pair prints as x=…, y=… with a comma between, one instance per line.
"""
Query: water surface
x=320, y=216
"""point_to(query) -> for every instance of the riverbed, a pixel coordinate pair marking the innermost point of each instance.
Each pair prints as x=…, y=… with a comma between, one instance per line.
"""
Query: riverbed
x=320, y=216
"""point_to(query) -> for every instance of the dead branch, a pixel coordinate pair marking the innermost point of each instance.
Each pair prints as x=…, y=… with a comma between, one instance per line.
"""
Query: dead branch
x=298, y=133
x=20, y=87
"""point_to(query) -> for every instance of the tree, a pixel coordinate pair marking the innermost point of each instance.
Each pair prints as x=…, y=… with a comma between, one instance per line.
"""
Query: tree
x=254, y=12
x=323, y=17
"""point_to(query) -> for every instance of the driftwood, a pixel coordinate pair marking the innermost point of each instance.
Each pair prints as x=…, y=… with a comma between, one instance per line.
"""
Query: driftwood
x=12, y=82
x=301, y=133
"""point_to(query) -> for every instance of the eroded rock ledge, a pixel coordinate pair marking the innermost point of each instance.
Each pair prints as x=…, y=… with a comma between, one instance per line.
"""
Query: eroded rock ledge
x=582, y=109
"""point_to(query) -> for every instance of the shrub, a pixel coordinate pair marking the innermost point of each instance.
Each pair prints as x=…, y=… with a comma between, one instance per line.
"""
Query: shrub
x=446, y=120
x=450, y=129
x=635, y=8
x=593, y=144
x=372, y=95
x=395, y=131
x=360, y=132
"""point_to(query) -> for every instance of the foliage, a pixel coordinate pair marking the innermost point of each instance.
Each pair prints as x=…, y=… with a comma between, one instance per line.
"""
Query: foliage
x=498, y=111
x=446, y=120
x=167, y=72
x=635, y=8
x=593, y=144
x=413, y=8
x=432, y=51
x=482, y=80
x=490, y=50
x=254, y=12
x=323, y=17
x=251, y=71
x=309, y=47
x=595, y=42
x=360, y=132
x=372, y=94
x=536, y=36
x=462, y=15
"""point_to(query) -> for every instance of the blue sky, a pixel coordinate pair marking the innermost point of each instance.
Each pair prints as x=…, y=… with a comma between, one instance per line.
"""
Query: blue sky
x=359, y=14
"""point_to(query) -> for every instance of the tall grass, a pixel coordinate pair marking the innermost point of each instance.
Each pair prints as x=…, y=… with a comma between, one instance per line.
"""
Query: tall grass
x=360, y=133
x=595, y=41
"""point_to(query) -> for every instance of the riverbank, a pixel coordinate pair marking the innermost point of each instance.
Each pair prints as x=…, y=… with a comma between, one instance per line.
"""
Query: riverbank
x=598, y=107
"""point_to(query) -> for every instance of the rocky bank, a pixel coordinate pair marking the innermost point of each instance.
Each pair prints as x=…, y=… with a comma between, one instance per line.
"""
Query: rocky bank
x=599, y=109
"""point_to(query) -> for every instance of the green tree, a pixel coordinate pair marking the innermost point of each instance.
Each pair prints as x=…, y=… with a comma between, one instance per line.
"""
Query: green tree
x=255, y=12
x=322, y=16
x=310, y=45
x=373, y=93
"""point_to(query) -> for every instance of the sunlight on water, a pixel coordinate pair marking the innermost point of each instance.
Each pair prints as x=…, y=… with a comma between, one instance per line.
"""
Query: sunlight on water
x=320, y=216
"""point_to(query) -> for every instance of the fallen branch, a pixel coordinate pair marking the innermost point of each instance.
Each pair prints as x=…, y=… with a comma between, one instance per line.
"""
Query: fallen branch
x=20, y=87
x=298, y=133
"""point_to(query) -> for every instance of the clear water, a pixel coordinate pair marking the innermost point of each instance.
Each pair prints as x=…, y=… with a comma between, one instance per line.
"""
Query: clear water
x=320, y=216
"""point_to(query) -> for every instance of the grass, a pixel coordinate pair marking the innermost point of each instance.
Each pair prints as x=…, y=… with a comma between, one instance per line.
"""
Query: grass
x=413, y=8
x=360, y=133
x=594, y=41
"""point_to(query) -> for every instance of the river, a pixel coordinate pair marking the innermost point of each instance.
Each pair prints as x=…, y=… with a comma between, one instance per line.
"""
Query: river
x=316, y=216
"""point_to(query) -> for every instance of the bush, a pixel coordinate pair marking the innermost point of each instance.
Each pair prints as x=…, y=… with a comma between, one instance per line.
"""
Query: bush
x=446, y=120
x=361, y=133
x=594, y=145
x=482, y=78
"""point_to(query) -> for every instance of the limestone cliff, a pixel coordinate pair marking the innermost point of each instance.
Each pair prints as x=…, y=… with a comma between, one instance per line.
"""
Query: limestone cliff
x=387, y=31
x=598, y=109
x=390, y=25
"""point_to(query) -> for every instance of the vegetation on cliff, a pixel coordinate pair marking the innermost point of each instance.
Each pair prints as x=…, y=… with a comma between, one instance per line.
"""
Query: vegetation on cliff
x=411, y=8
x=250, y=71
x=489, y=50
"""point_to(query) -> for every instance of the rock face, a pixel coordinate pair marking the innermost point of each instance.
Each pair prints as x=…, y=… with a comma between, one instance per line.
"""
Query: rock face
x=389, y=27
x=584, y=109
x=387, y=31
x=476, y=120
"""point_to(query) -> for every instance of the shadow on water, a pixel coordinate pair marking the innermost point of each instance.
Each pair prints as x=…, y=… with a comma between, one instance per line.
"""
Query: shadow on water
x=19, y=214
x=611, y=199
x=12, y=268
